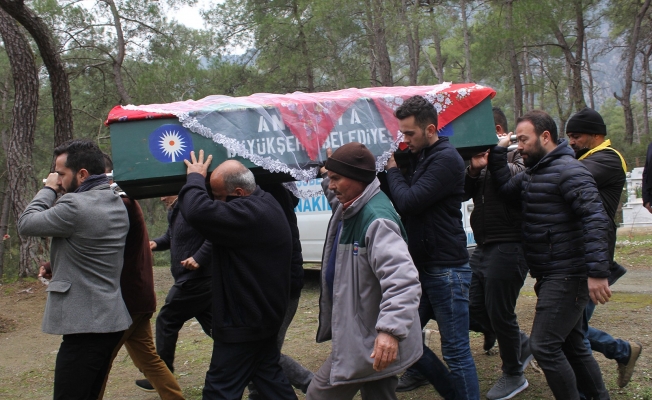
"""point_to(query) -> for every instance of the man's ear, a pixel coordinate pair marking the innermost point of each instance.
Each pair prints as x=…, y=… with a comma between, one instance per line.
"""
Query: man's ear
x=239, y=192
x=545, y=136
x=82, y=174
x=431, y=130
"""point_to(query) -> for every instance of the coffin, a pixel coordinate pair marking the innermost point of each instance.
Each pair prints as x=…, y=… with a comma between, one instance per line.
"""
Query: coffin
x=281, y=138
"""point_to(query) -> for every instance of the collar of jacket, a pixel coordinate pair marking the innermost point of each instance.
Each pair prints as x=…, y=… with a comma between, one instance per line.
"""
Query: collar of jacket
x=370, y=191
x=562, y=149
x=605, y=145
x=257, y=192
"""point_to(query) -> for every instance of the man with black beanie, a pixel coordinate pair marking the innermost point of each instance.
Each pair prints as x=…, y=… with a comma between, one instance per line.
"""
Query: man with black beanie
x=369, y=288
x=586, y=135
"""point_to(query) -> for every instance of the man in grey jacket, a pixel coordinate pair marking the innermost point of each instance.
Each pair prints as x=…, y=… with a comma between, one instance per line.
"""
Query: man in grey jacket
x=370, y=288
x=88, y=226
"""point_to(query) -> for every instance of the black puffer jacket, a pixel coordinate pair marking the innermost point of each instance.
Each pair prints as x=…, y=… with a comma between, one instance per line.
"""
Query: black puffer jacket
x=564, y=223
x=183, y=242
x=429, y=198
x=493, y=219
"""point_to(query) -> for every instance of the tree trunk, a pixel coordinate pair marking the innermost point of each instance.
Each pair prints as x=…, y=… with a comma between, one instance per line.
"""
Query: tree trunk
x=644, y=75
x=371, y=38
x=310, y=76
x=436, y=36
x=4, y=226
x=381, y=53
x=625, y=98
x=467, y=42
x=6, y=198
x=513, y=62
x=61, y=103
x=528, y=89
x=119, y=59
x=574, y=61
x=589, y=73
x=22, y=184
x=414, y=47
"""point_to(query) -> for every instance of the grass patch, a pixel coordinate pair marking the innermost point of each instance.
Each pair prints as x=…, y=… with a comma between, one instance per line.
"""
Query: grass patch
x=631, y=301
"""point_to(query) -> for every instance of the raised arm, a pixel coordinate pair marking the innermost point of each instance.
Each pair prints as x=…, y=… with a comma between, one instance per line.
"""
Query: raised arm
x=43, y=217
x=507, y=185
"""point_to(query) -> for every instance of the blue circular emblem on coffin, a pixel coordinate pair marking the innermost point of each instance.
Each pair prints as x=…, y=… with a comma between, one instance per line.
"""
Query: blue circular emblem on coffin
x=170, y=143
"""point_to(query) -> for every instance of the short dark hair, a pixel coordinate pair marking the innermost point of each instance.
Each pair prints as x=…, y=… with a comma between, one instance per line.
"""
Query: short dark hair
x=500, y=119
x=418, y=106
x=82, y=154
x=542, y=121
x=108, y=163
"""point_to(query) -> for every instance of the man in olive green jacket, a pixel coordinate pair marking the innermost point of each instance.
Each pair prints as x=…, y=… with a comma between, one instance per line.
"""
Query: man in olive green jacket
x=370, y=288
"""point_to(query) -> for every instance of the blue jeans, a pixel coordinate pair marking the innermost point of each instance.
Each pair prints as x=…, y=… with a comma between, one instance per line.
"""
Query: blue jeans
x=594, y=339
x=445, y=298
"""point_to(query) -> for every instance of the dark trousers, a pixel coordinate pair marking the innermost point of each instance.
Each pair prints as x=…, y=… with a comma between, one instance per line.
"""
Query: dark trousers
x=234, y=365
x=557, y=340
x=185, y=300
x=499, y=270
x=82, y=363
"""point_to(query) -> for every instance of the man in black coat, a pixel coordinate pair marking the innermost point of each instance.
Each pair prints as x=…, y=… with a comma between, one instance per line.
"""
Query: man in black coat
x=499, y=267
x=566, y=247
x=586, y=132
x=252, y=255
x=190, y=295
x=429, y=199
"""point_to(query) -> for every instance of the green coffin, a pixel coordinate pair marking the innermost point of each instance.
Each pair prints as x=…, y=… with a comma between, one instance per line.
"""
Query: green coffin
x=148, y=153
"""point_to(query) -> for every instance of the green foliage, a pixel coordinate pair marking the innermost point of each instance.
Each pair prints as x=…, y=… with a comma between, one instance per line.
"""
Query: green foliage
x=633, y=154
x=281, y=46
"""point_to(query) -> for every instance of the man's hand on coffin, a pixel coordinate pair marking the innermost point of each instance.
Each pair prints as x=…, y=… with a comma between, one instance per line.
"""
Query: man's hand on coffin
x=505, y=141
x=391, y=163
x=198, y=165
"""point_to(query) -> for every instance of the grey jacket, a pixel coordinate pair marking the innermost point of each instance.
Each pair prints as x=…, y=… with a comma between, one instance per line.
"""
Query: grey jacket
x=376, y=288
x=88, y=233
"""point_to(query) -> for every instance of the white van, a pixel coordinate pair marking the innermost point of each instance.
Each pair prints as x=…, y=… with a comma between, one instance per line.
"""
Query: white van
x=314, y=213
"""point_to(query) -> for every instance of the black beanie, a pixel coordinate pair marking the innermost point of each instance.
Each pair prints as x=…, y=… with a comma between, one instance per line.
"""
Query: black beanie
x=353, y=160
x=586, y=120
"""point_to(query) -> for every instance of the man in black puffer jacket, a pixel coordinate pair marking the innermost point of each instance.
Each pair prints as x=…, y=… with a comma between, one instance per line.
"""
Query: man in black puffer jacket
x=565, y=239
x=586, y=135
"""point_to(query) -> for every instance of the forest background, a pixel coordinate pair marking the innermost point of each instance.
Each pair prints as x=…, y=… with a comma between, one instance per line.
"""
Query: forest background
x=66, y=63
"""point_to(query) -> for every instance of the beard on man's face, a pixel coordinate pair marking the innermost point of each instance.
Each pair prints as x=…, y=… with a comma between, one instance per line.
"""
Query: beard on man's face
x=534, y=156
x=74, y=184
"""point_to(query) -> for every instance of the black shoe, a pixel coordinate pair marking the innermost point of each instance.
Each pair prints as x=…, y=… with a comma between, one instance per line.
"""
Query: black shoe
x=409, y=382
x=489, y=341
x=143, y=384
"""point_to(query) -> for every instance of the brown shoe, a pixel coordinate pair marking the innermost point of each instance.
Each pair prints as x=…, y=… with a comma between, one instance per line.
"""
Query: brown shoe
x=625, y=371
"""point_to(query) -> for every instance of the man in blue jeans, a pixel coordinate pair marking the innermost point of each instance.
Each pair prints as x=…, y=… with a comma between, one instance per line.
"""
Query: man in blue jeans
x=429, y=198
x=587, y=132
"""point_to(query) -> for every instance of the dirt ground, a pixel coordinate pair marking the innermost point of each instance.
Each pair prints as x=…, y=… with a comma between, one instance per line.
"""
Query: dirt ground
x=27, y=355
